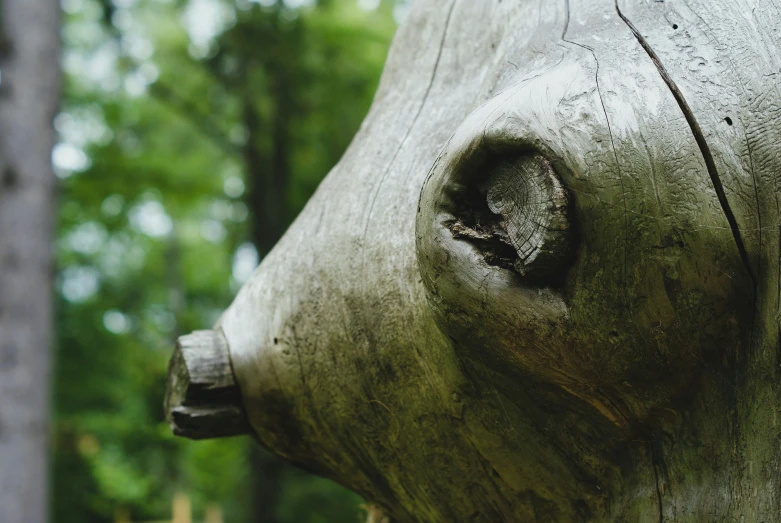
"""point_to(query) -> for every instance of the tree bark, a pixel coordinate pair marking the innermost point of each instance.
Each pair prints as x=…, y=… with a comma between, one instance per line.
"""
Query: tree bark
x=29, y=96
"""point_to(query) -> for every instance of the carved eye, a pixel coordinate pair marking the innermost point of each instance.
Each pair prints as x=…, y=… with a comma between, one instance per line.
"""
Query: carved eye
x=518, y=216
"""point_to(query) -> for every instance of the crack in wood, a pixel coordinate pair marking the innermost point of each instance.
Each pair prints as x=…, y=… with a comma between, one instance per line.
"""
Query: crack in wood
x=609, y=132
x=702, y=143
x=659, y=487
x=411, y=126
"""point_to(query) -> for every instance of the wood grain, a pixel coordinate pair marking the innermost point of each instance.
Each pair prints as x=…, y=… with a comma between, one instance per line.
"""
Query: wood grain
x=390, y=343
x=202, y=398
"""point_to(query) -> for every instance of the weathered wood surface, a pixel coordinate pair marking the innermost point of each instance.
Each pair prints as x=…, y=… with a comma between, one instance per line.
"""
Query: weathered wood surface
x=29, y=98
x=391, y=343
x=202, y=397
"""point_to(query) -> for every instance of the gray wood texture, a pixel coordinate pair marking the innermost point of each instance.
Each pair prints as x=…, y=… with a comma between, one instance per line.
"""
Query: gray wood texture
x=29, y=97
x=528, y=195
x=202, y=397
x=392, y=342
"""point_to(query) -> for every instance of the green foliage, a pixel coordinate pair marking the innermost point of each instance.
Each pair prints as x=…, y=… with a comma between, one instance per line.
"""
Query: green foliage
x=154, y=223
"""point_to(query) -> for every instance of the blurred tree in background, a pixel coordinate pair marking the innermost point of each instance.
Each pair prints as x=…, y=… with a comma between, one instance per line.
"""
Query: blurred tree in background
x=192, y=132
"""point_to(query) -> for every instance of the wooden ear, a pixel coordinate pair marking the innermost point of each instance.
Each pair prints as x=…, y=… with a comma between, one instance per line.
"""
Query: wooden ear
x=202, y=398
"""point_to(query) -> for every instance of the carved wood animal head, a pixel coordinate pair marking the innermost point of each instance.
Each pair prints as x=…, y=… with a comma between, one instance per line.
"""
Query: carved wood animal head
x=543, y=282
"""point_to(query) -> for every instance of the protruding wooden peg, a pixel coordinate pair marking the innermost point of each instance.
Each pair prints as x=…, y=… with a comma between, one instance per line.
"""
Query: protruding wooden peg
x=202, y=398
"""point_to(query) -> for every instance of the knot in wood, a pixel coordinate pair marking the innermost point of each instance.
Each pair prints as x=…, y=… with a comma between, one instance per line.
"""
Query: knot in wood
x=534, y=210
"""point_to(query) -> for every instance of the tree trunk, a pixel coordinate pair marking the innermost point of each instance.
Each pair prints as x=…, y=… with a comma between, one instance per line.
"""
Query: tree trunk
x=29, y=95
x=543, y=283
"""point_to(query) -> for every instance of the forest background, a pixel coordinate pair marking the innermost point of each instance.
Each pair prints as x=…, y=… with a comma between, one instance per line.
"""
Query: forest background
x=191, y=134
